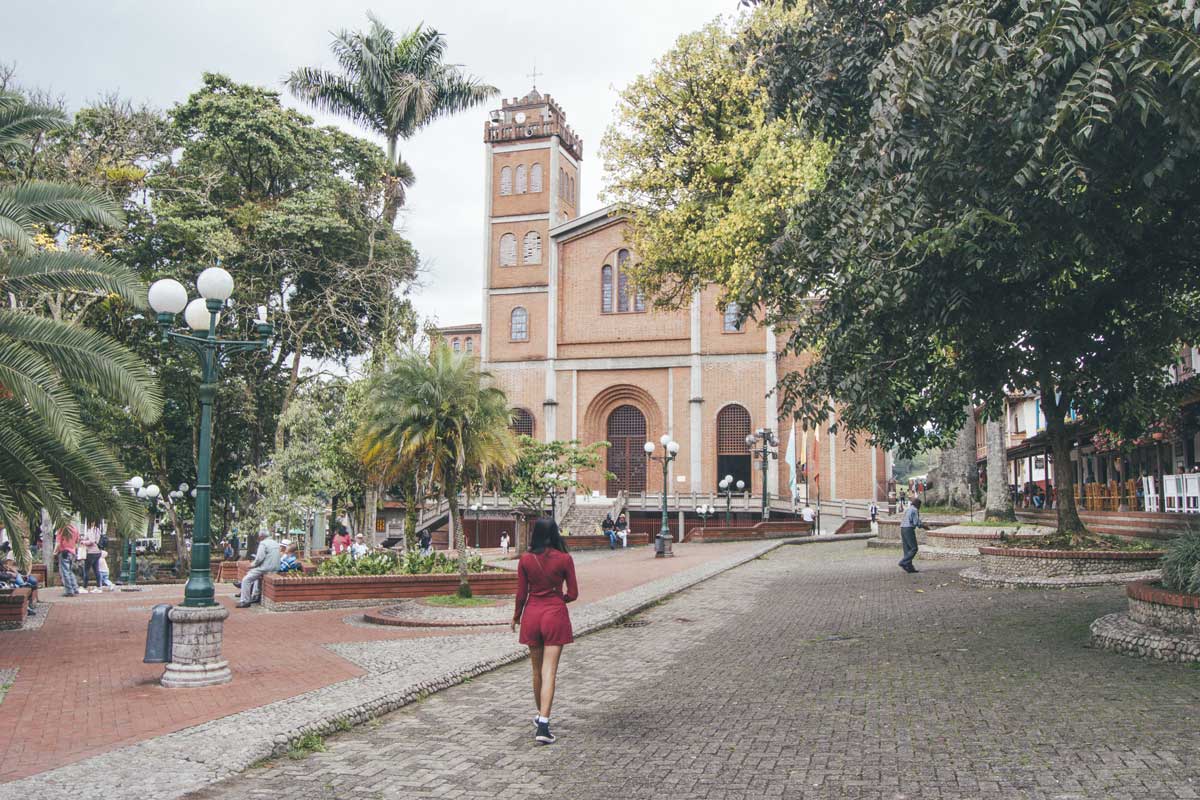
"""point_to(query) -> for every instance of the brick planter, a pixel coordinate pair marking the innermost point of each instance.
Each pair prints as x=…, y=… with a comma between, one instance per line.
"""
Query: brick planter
x=1020, y=567
x=14, y=606
x=763, y=530
x=288, y=593
x=597, y=541
x=1176, y=612
x=1160, y=624
x=963, y=541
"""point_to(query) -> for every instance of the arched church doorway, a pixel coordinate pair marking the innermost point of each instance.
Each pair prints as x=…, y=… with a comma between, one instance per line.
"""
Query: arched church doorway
x=733, y=457
x=626, y=456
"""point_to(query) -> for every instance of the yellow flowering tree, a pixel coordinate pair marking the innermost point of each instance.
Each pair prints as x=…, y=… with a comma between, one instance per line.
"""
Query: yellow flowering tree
x=705, y=176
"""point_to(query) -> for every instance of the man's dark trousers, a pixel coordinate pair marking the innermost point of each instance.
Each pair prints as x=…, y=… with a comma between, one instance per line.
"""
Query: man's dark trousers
x=908, y=538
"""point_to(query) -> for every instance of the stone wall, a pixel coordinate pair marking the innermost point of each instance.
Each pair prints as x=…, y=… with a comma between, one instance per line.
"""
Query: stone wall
x=1014, y=562
x=1159, y=608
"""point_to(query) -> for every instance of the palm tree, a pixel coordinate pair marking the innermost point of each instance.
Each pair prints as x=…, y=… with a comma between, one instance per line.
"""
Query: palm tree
x=48, y=458
x=435, y=411
x=393, y=87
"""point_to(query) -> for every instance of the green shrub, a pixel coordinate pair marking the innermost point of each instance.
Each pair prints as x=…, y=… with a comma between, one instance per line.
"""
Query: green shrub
x=389, y=562
x=1181, y=564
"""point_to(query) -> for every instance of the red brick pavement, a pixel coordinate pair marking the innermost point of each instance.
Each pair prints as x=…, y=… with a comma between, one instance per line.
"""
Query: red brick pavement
x=82, y=688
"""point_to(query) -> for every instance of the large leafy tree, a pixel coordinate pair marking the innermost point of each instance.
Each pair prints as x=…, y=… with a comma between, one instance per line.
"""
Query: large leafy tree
x=392, y=86
x=705, y=178
x=49, y=458
x=1012, y=206
x=435, y=411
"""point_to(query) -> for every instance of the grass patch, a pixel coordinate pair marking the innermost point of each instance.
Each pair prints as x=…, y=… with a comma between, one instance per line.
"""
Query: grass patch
x=306, y=745
x=4, y=687
x=454, y=601
x=343, y=725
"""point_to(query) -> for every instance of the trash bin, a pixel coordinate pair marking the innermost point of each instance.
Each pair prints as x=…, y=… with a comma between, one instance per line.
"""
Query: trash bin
x=158, y=635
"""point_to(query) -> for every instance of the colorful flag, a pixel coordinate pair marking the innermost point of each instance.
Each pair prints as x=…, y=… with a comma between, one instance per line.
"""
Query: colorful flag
x=790, y=458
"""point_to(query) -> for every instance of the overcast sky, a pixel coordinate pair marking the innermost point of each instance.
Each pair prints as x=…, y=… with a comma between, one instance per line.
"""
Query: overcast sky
x=155, y=51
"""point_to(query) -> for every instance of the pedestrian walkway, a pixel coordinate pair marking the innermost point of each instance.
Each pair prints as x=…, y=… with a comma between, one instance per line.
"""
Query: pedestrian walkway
x=820, y=673
x=81, y=689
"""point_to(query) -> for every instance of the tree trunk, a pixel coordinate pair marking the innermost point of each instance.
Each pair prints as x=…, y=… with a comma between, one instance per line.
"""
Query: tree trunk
x=999, y=500
x=1064, y=478
x=293, y=381
x=370, y=510
x=954, y=475
x=459, y=537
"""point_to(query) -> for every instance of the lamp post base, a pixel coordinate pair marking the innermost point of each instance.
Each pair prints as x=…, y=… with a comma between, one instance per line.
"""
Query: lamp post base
x=662, y=546
x=196, y=634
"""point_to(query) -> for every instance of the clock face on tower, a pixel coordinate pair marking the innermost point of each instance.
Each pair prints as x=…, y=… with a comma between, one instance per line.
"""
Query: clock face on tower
x=520, y=117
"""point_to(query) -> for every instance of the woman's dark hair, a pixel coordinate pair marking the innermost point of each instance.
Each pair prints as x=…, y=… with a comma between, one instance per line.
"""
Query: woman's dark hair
x=545, y=534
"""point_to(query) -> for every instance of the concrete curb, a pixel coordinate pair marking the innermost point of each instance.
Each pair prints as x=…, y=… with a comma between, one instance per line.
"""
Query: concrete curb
x=205, y=754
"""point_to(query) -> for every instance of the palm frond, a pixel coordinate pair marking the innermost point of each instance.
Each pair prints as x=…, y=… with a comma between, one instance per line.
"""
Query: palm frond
x=72, y=271
x=49, y=202
x=32, y=382
x=87, y=357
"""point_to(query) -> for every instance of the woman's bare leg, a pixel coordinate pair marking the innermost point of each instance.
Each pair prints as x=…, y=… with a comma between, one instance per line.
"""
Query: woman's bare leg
x=549, y=673
x=535, y=660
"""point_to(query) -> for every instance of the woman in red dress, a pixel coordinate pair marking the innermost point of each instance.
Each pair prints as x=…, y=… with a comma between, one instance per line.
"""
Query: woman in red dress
x=541, y=611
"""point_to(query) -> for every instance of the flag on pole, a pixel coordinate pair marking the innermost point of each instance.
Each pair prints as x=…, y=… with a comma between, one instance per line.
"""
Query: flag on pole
x=816, y=456
x=791, y=462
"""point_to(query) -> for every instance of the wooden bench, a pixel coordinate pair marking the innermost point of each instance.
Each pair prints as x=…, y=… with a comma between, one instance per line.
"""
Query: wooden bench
x=14, y=605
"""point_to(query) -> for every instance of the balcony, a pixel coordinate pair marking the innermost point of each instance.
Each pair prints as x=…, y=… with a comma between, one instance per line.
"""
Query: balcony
x=533, y=129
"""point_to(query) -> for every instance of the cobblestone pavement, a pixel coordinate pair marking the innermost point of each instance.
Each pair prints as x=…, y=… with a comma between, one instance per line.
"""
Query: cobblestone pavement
x=809, y=673
x=84, y=705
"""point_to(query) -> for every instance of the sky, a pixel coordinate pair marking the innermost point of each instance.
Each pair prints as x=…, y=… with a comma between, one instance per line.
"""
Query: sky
x=155, y=51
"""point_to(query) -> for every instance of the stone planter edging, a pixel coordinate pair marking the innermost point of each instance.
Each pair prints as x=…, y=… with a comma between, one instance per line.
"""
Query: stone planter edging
x=1120, y=634
x=1018, y=566
x=1072, y=555
x=1156, y=607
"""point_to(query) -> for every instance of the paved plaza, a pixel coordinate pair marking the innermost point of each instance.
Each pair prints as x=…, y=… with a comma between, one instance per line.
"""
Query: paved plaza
x=813, y=672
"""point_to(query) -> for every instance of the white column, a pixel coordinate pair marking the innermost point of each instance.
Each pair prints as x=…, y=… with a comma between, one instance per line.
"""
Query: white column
x=771, y=409
x=696, y=403
x=551, y=411
x=484, y=349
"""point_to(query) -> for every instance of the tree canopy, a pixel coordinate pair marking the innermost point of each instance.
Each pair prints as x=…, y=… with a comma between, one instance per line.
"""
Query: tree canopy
x=1011, y=205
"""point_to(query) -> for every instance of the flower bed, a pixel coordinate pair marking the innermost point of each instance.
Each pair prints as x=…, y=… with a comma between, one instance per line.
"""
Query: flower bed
x=297, y=593
x=1160, y=624
x=1017, y=566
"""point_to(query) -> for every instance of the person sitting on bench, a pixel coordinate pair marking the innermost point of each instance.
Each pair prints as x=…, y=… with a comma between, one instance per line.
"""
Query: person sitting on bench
x=266, y=560
x=11, y=575
x=290, y=562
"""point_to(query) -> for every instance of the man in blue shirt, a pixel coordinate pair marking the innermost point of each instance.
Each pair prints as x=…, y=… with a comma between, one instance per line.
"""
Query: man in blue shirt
x=908, y=533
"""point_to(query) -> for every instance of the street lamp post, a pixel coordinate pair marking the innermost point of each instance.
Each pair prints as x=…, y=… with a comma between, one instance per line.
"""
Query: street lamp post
x=168, y=297
x=763, y=445
x=477, y=508
x=148, y=494
x=662, y=543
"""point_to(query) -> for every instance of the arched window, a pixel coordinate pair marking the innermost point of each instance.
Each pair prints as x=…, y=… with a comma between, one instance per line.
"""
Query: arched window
x=571, y=190
x=606, y=289
x=456, y=344
x=622, y=291
x=533, y=248
x=508, y=250
x=731, y=318
x=535, y=178
x=522, y=186
x=562, y=182
x=733, y=426
x=518, y=325
x=506, y=180
x=470, y=345
x=522, y=422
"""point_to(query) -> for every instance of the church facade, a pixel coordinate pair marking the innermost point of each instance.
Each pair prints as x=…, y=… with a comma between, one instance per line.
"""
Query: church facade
x=582, y=355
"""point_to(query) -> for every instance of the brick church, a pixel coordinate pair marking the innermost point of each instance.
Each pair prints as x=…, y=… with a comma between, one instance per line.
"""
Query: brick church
x=583, y=355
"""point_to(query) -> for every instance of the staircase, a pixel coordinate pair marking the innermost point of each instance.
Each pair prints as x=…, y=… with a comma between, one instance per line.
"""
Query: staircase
x=585, y=516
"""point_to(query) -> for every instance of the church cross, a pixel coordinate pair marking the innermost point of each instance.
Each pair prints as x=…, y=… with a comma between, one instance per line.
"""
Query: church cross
x=534, y=75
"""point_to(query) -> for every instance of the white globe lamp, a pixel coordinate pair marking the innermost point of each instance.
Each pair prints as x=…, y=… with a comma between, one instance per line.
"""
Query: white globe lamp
x=152, y=491
x=648, y=447
x=196, y=315
x=673, y=447
x=167, y=296
x=215, y=283
x=136, y=482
